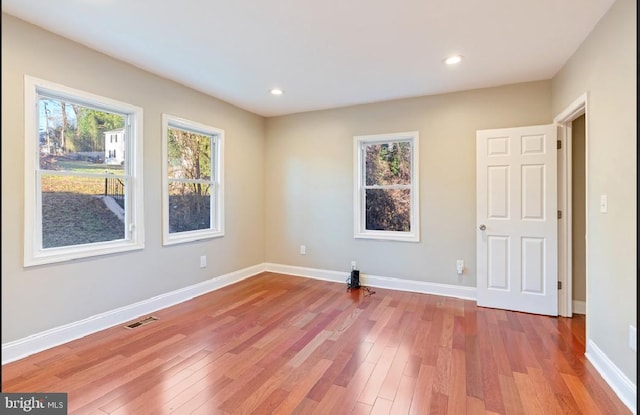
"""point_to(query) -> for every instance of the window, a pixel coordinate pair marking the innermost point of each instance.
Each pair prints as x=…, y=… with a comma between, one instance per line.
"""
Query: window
x=386, y=187
x=193, y=206
x=76, y=204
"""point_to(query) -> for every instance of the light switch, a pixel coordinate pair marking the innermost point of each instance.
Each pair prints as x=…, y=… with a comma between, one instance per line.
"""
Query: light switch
x=604, y=205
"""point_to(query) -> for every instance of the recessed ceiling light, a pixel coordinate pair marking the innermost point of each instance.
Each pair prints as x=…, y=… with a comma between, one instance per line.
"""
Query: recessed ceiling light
x=453, y=59
x=276, y=91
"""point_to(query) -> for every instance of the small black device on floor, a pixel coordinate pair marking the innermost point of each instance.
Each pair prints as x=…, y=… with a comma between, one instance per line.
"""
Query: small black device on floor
x=353, y=282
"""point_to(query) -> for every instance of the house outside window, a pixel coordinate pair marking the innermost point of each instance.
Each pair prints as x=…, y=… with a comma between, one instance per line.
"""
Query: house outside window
x=193, y=207
x=115, y=148
x=386, y=187
x=76, y=204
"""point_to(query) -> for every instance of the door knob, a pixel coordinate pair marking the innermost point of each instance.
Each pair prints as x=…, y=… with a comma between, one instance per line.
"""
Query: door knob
x=483, y=227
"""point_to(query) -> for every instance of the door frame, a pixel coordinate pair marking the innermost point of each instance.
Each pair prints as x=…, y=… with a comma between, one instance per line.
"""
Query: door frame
x=565, y=181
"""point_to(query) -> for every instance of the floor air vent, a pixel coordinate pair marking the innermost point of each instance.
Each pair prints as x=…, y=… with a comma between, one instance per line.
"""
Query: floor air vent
x=142, y=322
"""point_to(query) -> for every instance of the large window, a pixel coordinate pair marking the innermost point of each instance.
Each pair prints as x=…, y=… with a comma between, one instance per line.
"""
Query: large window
x=386, y=187
x=193, y=179
x=83, y=192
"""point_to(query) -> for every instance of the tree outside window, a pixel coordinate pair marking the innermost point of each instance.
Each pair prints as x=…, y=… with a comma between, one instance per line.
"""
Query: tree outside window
x=78, y=204
x=193, y=180
x=386, y=186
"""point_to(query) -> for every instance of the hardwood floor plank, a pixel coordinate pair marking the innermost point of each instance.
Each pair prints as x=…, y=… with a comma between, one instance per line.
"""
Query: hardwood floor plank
x=402, y=399
x=262, y=391
x=332, y=402
x=381, y=324
x=567, y=404
x=421, y=399
x=544, y=391
x=172, y=387
x=439, y=403
x=361, y=409
x=305, y=407
x=381, y=407
x=531, y=403
x=420, y=341
x=514, y=355
x=300, y=390
x=412, y=368
x=235, y=393
x=511, y=395
x=392, y=380
x=371, y=389
x=443, y=371
x=344, y=322
x=458, y=335
x=457, y=395
x=383, y=299
x=475, y=406
x=446, y=337
x=486, y=357
x=321, y=388
x=430, y=355
x=310, y=347
x=586, y=404
x=94, y=389
x=196, y=395
x=350, y=368
x=268, y=405
x=356, y=385
x=275, y=343
x=129, y=388
x=473, y=368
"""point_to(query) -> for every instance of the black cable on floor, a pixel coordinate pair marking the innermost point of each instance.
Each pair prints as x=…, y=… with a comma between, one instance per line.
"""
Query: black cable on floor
x=369, y=291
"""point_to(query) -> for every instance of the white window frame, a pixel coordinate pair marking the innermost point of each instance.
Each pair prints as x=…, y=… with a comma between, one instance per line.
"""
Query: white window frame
x=34, y=253
x=359, y=144
x=216, y=228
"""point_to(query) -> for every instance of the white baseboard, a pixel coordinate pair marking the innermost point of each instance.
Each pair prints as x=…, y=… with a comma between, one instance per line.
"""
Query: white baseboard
x=316, y=274
x=579, y=307
x=458, y=291
x=47, y=339
x=621, y=385
x=38, y=342
x=21, y=348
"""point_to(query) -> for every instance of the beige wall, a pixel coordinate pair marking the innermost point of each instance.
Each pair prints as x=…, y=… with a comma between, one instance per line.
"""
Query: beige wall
x=309, y=180
x=578, y=259
x=605, y=67
x=289, y=181
x=44, y=297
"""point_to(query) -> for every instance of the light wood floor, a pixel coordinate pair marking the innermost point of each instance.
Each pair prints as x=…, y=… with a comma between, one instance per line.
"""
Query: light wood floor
x=289, y=345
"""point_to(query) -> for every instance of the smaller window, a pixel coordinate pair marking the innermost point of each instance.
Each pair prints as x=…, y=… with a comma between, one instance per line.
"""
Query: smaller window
x=386, y=187
x=193, y=206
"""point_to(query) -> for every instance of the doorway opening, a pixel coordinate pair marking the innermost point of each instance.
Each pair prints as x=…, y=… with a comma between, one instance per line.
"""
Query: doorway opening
x=572, y=196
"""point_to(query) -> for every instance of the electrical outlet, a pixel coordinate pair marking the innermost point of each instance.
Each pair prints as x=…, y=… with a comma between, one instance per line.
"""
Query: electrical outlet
x=459, y=266
x=633, y=338
x=203, y=261
x=604, y=204
x=354, y=265
x=303, y=250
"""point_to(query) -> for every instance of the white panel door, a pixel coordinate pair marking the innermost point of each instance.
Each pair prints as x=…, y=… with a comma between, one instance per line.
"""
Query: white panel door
x=517, y=232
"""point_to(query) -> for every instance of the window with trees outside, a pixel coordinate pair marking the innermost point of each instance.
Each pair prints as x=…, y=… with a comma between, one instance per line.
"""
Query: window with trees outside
x=193, y=206
x=386, y=187
x=83, y=192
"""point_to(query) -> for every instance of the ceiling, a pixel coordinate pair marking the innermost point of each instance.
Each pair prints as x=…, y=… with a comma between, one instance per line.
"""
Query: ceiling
x=328, y=53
